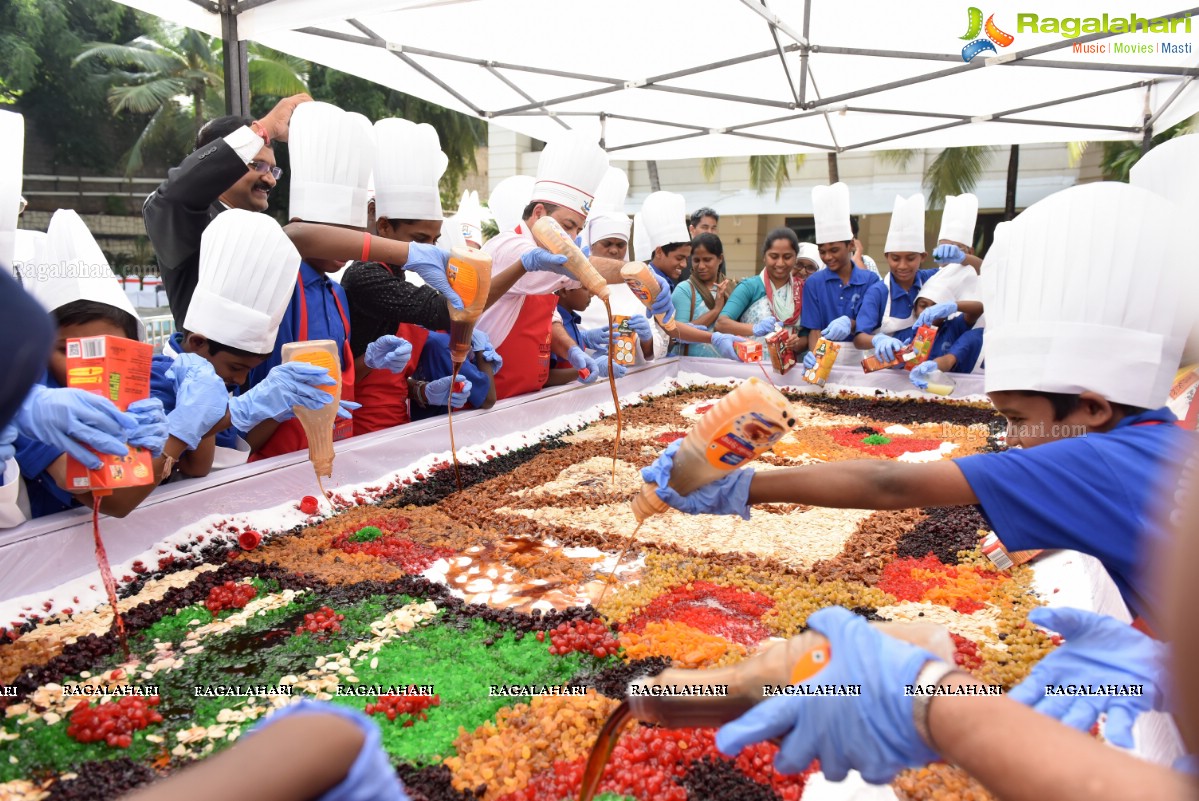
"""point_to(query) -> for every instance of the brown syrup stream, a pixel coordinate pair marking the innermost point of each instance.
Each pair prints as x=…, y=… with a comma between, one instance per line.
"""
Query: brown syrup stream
x=612, y=384
x=321, y=485
x=628, y=544
x=110, y=583
x=605, y=743
x=449, y=415
x=768, y=378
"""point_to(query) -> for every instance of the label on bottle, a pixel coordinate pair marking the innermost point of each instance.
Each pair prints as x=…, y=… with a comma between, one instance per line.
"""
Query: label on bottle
x=748, y=435
x=463, y=279
x=640, y=291
x=320, y=358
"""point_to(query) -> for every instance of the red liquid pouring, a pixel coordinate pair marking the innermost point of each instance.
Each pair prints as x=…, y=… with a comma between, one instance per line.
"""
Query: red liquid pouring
x=110, y=582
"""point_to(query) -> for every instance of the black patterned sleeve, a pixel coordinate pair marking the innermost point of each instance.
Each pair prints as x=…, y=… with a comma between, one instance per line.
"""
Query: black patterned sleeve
x=381, y=299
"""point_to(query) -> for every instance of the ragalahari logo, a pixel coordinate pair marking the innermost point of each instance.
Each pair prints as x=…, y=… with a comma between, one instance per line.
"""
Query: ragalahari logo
x=993, y=37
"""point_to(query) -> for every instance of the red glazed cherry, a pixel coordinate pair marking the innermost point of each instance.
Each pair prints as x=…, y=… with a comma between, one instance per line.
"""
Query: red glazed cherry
x=309, y=505
x=249, y=540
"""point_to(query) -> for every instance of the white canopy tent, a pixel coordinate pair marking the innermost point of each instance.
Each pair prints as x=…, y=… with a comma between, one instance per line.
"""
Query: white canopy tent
x=669, y=79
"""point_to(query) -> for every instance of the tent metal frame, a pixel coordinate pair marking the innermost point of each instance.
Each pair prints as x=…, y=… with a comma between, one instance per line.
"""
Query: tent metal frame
x=802, y=89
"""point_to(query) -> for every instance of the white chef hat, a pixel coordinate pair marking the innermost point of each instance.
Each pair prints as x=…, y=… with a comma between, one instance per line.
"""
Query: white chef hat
x=810, y=252
x=332, y=152
x=409, y=164
x=28, y=248
x=70, y=266
x=1171, y=170
x=830, y=207
x=508, y=201
x=663, y=220
x=906, y=234
x=570, y=171
x=12, y=146
x=247, y=274
x=958, y=219
x=465, y=226
x=936, y=291
x=1068, y=312
x=608, y=218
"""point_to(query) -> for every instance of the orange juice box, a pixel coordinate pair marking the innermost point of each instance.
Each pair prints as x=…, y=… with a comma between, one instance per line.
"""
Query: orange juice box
x=118, y=369
x=826, y=357
x=921, y=347
x=782, y=358
x=748, y=351
x=874, y=362
x=624, y=342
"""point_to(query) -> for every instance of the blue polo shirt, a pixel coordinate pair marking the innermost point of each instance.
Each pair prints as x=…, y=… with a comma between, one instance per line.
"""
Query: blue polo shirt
x=33, y=457
x=571, y=322
x=163, y=388
x=1099, y=494
x=825, y=298
x=435, y=363
x=870, y=315
x=956, y=337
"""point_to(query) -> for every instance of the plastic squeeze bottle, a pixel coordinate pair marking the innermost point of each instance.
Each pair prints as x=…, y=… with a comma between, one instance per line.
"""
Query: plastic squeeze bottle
x=469, y=274
x=318, y=423
x=549, y=235
x=739, y=428
x=739, y=687
x=640, y=278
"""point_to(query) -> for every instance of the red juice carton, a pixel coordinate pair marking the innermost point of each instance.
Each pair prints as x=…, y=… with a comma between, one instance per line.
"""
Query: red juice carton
x=921, y=347
x=748, y=351
x=873, y=362
x=782, y=358
x=118, y=369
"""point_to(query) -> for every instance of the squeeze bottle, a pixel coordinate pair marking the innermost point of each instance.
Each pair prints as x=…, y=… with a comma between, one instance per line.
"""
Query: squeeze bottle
x=549, y=235
x=740, y=427
x=469, y=274
x=318, y=423
x=782, y=663
x=640, y=278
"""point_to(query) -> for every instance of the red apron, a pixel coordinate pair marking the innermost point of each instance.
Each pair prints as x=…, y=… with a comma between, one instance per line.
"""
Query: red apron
x=384, y=394
x=526, y=351
x=289, y=437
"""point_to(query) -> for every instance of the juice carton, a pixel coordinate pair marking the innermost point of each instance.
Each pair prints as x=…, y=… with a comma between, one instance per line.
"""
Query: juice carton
x=873, y=362
x=921, y=347
x=118, y=369
x=782, y=358
x=748, y=351
x=826, y=357
x=1001, y=557
x=625, y=341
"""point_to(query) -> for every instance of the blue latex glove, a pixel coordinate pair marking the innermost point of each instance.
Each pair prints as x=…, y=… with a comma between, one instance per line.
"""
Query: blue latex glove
x=437, y=393
x=809, y=361
x=723, y=344
x=151, y=432
x=885, y=346
x=725, y=496
x=641, y=327
x=371, y=777
x=1098, y=650
x=948, y=254
x=873, y=734
x=345, y=409
x=540, y=260
x=597, y=338
x=934, y=313
x=430, y=263
x=618, y=370
x=581, y=361
x=663, y=303
x=69, y=419
x=388, y=352
x=481, y=343
x=920, y=373
x=8, y=449
x=764, y=327
x=201, y=399
x=286, y=385
x=838, y=330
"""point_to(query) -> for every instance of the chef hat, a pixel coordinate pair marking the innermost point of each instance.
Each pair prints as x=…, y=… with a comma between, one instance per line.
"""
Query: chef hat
x=409, y=164
x=332, y=152
x=830, y=207
x=1068, y=312
x=611, y=225
x=664, y=220
x=608, y=218
x=1171, y=170
x=936, y=291
x=508, y=201
x=958, y=219
x=569, y=172
x=906, y=234
x=12, y=146
x=248, y=271
x=70, y=266
x=641, y=246
x=810, y=252
x=465, y=227
x=29, y=247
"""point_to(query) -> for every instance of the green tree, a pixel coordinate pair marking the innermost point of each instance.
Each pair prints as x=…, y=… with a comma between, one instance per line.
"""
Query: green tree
x=765, y=172
x=955, y=170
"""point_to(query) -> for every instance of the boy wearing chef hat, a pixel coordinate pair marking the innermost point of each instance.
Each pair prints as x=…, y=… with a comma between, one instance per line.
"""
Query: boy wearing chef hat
x=247, y=275
x=959, y=265
x=71, y=279
x=833, y=297
x=1081, y=352
x=958, y=345
x=886, y=319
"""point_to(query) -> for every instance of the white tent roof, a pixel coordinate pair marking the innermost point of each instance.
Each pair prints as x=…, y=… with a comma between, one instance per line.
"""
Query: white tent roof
x=669, y=79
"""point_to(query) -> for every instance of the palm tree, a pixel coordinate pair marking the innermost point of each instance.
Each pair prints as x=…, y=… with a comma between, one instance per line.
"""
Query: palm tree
x=765, y=172
x=955, y=170
x=174, y=74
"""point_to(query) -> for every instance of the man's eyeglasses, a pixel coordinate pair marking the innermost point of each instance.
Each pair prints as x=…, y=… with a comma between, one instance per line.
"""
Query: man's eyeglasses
x=262, y=166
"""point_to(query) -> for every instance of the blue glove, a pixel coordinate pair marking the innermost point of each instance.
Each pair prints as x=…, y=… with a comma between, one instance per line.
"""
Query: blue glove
x=920, y=373
x=809, y=361
x=725, y=496
x=345, y=409
x=437, y=393
x=948, y=254
x=641, y=327
x=886, y=346
x=764, y=327
x=618, y=370
x=201, y=399
x=723, y=344
x=8, y=450
x=663, y=303
x=69, y=419
x=1098, y=650
x=371, y=777
x=540, y=260
x=597, y=338
x=873, y=733
x=838, y=330
x=388, y=352
x=585, y=249
x=934, y=313
x=286, y=385
x=581, y=361
x=151, y=432
x=430, y=263
x=481, y=343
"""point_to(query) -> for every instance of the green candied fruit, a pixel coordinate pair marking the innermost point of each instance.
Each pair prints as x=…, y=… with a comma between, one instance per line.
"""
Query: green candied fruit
x=366, y=534
x=876, y=439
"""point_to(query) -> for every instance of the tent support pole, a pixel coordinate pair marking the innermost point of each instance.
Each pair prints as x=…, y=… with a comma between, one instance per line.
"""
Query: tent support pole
x=1013, y=168
x=804, y=52
x=236, y=63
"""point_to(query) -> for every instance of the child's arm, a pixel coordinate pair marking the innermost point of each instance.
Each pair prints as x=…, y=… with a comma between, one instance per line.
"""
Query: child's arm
x=197, y=463
x=865, y=484
x=485, y=368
